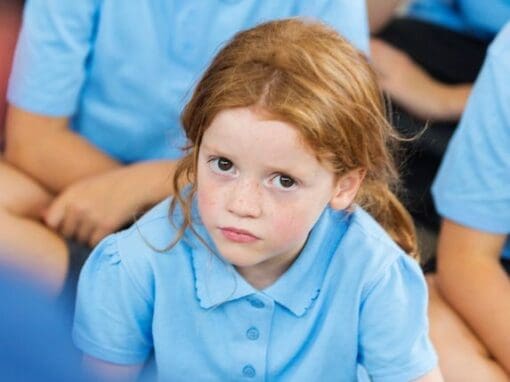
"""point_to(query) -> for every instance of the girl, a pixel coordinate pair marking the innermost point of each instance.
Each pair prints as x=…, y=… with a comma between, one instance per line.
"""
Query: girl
x=288, y=141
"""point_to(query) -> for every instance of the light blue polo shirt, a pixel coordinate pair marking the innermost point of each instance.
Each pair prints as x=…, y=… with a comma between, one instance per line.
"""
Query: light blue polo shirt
x=351, y=297
x=472, y=187
x=479, y=18
x=124, y=69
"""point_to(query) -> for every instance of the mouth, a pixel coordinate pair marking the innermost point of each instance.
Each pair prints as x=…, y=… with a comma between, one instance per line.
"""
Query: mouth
x=238, y=235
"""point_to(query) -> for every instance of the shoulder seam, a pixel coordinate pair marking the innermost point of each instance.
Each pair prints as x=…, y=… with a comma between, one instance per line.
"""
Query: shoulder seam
x=386, y=263
x=130, y=275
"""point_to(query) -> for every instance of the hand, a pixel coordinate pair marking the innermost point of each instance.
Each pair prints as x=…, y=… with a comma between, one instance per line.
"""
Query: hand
x=413, y=88
x=95, y=207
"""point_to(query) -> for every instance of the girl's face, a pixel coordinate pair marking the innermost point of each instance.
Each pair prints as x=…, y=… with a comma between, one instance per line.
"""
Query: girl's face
x=260, y=191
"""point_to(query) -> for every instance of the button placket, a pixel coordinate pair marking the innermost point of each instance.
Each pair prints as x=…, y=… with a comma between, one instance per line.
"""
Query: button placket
x=259, y=311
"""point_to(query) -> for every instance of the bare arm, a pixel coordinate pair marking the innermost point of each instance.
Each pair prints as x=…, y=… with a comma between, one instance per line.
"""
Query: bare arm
x=413, y=88
x=432, y=376
x=380, y=12
x=454, y=99
x=95, y=194
x=47, y=150
x=113, y=372
x=472, y=280
x=96, y=206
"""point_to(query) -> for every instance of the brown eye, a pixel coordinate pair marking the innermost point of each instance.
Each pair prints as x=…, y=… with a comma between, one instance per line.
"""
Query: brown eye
x=283, y=182
x=286, y=181
x=224, y=164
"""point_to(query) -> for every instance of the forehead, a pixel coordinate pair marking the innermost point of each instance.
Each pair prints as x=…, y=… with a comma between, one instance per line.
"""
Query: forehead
x=249, y=131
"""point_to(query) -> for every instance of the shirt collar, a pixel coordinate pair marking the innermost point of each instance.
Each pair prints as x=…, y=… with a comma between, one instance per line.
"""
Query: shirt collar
x=217, y=282
x=300, y=286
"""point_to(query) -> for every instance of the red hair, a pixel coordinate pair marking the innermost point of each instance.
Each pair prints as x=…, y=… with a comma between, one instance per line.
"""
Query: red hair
x=305, y=74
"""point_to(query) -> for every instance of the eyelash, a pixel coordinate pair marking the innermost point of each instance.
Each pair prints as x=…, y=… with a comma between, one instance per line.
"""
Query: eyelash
x=214, y=164
x=280, y=186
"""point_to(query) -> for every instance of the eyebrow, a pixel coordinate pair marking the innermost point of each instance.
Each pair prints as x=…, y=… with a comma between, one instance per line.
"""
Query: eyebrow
x=214, y=149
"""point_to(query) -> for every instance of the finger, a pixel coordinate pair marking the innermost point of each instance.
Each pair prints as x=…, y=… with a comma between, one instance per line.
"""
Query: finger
x=84, y=231
x=55, y=214
x=97, y=236
x=70, y=223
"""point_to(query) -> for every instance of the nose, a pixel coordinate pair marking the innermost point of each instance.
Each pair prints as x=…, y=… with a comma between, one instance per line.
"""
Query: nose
x=245, y=198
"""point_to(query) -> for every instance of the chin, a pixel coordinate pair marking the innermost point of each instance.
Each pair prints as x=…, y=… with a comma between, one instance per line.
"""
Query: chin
x=244, y=260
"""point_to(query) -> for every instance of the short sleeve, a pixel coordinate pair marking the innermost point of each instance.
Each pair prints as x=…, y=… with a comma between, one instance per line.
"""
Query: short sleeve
x=472, y=187
x=114, y=308
x=50, y=60
x=393, y=336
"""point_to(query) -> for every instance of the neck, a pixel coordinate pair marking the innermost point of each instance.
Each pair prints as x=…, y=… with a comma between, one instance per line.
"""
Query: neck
x=264, y=274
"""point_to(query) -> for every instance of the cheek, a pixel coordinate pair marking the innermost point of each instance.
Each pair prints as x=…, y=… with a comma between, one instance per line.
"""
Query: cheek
x=289, y=226
x=293, y=223
x=208, y=197
x=207, y=202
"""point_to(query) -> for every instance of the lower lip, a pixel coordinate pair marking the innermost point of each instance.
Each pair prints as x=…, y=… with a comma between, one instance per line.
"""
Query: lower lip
x=237, y=236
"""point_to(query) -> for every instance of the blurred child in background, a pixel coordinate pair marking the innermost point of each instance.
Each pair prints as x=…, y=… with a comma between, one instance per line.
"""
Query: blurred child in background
x=470, y=295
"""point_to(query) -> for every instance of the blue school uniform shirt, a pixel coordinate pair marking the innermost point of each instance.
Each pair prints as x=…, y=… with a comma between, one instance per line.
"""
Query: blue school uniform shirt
x=479, y=18
x=123, y=69
x=351, y=297
x=472, y=187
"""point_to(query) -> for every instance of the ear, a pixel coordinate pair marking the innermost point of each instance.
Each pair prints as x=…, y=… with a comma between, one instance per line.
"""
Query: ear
x=346, y=188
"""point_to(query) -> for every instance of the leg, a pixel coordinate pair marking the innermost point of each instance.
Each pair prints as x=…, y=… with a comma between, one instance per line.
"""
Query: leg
x=462, y=357
x=24, y=240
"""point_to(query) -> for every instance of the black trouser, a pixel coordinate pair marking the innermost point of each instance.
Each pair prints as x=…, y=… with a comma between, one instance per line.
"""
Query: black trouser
x=452, y=58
